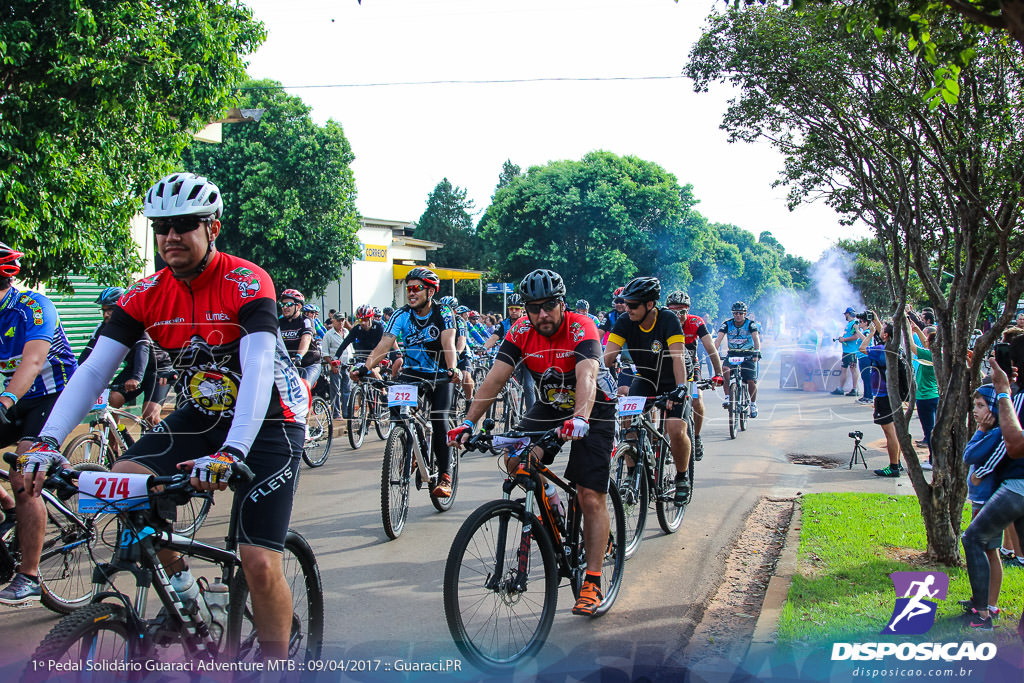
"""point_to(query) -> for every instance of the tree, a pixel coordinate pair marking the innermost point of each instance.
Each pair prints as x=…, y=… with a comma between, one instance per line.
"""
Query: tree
x=448, y=219
x=869, y=277
x=99, y=99
x=598, y=222
x=940, y=187
x=289, y=191
x=509, y=172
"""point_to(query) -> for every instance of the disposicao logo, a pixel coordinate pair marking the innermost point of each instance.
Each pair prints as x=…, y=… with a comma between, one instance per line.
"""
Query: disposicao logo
x=914, y=614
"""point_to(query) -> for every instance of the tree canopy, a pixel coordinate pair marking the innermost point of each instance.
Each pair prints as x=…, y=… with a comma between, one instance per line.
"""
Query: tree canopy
x=289, y=191
x=99, y=99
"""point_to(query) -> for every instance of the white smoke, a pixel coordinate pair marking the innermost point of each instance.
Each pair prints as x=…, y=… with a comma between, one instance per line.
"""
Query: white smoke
x=820, y=309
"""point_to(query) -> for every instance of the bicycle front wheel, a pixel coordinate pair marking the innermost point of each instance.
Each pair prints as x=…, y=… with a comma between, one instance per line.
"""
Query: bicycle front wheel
x=394, y=482
x=191, y=515
x=303, y=577
x=744, y=407
x=445, y=504
x=634, y=494
x=95, y=633
x=734, y=411
x=382, y=420
x=496, y=614
x=87, y=448
x=321, y=431
x=357, y=421
x=614, y=561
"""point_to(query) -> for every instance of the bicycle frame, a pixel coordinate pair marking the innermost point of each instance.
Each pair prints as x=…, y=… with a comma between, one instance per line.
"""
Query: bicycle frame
x=645, y=429
x=416, y=425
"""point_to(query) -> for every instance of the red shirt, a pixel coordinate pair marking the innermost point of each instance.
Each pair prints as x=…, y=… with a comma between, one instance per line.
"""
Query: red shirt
x=694, y=328
x=200, y=324
x=552, y=360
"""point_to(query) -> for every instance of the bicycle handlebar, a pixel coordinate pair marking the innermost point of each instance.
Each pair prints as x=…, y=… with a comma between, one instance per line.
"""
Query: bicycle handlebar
x=484, y=442
x=747, y=353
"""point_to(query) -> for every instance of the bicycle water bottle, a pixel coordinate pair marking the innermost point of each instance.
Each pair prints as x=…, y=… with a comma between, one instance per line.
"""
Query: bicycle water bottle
x=185, y=585
x=551, y=493
x=217, y=597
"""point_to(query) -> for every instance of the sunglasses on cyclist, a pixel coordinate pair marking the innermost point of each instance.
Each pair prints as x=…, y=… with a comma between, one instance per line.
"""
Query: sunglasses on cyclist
x=633, y=305
x=548, y=306
x=180, y=224
x=412, y=289
x=288, y=304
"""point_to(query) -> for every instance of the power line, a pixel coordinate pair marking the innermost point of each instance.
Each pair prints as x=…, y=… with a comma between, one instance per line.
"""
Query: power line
x=467, y=82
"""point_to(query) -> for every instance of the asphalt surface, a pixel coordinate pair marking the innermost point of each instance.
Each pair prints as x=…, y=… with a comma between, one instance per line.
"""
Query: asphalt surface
x=384, y=598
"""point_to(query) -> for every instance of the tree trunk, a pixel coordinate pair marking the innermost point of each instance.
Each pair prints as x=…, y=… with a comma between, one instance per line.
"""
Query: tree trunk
x=1013, y=14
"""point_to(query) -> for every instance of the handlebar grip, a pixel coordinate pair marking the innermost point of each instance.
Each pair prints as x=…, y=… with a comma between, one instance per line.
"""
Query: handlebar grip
x=11, y=458
x=240, y=474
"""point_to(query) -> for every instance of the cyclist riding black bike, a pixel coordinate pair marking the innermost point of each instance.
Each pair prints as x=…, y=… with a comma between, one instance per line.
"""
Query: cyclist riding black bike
x=744, y=335
x=36, y=362
x=655, y=339
x=562, y=351
x=242, y=399
x=427, y=333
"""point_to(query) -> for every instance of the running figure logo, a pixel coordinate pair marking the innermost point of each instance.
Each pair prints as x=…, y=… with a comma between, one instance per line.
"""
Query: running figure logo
x=914, y=612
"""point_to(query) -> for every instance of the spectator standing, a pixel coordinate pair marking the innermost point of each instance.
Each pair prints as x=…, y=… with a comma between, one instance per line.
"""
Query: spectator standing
x=883, y=410
x=927, y=396
x=865, y=331
x=849, y=340
x=340, y=387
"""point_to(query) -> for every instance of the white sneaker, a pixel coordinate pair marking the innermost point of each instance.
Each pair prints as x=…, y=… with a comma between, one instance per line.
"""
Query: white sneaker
x=926, y=465
x=753, y=410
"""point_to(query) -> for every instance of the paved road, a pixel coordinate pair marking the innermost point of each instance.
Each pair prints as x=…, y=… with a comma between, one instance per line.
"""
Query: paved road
x=384, y=597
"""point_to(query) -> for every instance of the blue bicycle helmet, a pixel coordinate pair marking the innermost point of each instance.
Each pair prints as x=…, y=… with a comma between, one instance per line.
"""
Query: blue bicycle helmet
x=110, y=296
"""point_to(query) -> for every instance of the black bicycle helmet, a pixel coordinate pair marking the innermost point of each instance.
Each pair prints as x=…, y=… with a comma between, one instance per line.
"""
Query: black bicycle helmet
x=109, y=296
x=387, y=310
x=678, y=298
x=514, y=300
x=642, y=289
x=426, y=275
x=583, y=303
x=739, y=306
x=542, y=284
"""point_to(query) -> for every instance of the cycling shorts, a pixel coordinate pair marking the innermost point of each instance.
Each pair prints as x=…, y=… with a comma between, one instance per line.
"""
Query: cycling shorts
x=27, y=418
x=849, y=360
x=748, y=370
x=883, y=411
x=642, y=387
x=590, y=457
x=263, y=506
x=463, y=364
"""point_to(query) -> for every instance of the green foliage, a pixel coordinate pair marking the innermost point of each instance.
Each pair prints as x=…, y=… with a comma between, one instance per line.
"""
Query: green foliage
x=99, y=98
x=448, y=219
x=289, y=191
x=598, y=222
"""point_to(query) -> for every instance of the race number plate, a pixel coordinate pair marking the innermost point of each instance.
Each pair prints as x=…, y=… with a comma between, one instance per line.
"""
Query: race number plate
x=514, y=445
x=102, y=401
x=736, y=360
x=402, y=395
x=631, y=405
x=102, y=491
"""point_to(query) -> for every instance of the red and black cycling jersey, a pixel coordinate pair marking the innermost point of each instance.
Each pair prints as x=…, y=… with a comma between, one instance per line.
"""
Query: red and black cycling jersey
x=552, y=360
x=292, y=332
x=648, y=347
x=694, y=329
x=200, y=324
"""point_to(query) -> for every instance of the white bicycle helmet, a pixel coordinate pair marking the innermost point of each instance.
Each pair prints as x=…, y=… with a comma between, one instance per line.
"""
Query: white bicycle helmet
x=182, y=194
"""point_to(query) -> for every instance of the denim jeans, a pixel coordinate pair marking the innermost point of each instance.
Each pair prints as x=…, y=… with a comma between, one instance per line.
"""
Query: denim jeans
x=1002, y=509
x=926, y=414
x=340, y=389
x=529, y=388
x=865, y=375
x=311, y=373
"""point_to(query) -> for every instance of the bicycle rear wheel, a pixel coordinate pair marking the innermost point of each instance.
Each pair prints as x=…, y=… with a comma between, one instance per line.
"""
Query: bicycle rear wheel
x=496, y=615
x=321, y=432
x=303, y=578
x=358, y=416
x=633, y=493
x=614, y=562
x=670, y=516
x=96, y=633
x=396, y=471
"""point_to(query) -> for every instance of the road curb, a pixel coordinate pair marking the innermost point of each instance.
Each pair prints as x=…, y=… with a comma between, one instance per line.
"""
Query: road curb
x=766, y=629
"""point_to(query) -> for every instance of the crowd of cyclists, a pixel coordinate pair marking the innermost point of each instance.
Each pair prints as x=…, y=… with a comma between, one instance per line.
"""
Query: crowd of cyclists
x=242, y=360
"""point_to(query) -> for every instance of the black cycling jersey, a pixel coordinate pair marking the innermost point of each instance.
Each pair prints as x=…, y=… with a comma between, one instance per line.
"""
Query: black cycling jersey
x=292, y=331
x=362, y=340
x=648, y=347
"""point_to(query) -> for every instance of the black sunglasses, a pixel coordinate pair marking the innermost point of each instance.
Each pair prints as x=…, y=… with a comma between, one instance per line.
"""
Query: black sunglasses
x=180, y=224
x=633, y=305
x=548, y=306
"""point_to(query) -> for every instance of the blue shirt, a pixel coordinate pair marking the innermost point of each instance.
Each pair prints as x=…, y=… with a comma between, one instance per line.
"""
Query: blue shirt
x=981, y=446
x=29, y=316
x=852, y=345
x=741, y=337
x=421, y=337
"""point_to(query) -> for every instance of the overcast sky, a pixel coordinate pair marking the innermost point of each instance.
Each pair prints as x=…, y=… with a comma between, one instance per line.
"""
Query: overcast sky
x=406, y=138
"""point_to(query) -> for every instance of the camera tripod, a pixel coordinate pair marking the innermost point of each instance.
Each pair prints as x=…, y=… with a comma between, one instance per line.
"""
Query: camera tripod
x=858, y=450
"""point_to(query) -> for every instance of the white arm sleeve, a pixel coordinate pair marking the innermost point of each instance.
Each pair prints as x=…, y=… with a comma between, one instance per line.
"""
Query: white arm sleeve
x=257, y=358
x=86, y=384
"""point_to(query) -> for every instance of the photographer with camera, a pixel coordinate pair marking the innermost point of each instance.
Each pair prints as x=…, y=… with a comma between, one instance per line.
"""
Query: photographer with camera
x=883, y=410
x=866, y=336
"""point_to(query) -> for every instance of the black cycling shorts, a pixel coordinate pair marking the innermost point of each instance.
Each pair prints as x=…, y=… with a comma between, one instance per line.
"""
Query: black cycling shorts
x=27, y=418
x=590, y=457
x=883, y=411
x=748, y=370
x=264, y=506
x=642, y=387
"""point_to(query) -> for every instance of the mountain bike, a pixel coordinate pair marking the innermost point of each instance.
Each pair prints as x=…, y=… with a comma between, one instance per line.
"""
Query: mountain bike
x=367, y=403
x=409, y=457
x=319, y=423
x=217, y=624
x=652, y=479
x=739, y=395
x=68, y=541
x=505, y=565
x=112, y=431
